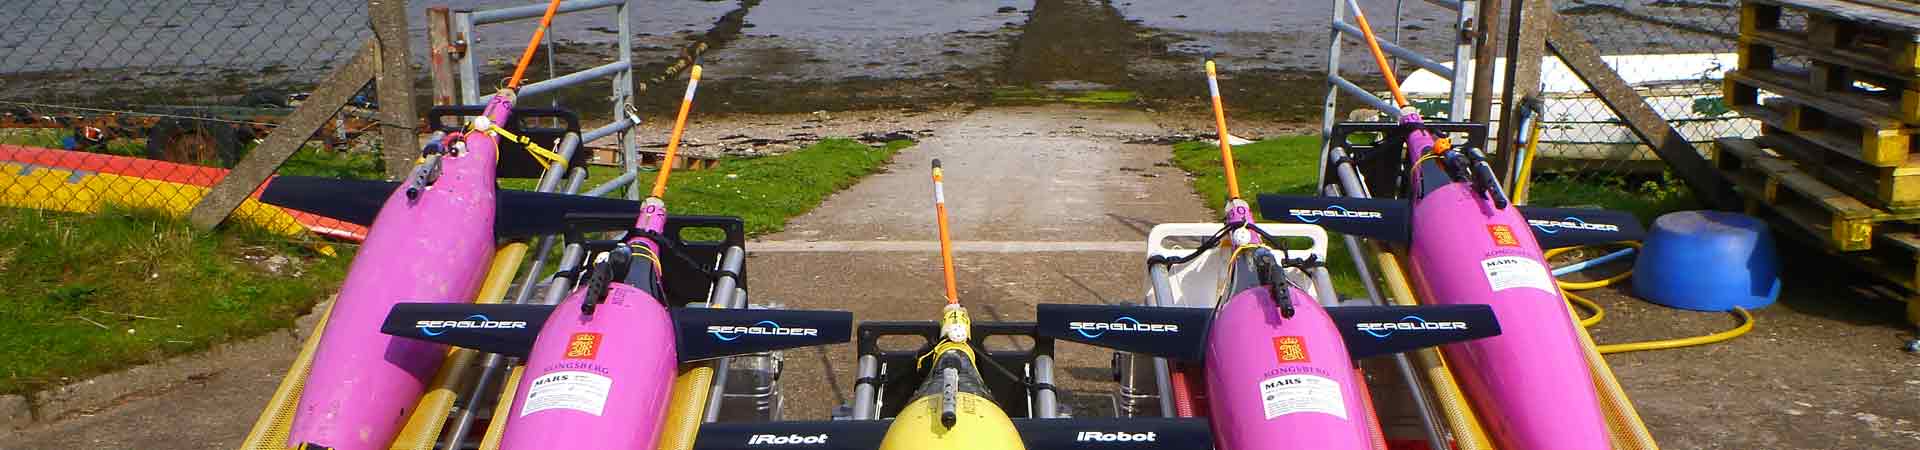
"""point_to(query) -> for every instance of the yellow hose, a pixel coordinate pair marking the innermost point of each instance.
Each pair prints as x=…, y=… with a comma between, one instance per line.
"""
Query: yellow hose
x=1579, y=302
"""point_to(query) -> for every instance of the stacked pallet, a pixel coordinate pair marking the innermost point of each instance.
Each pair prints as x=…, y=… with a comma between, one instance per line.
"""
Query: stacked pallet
x=1836, y=84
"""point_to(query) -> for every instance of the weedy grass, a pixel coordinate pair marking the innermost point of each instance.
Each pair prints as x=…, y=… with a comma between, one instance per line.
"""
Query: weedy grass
x=1646, y=196
x=765, y=191
x=88, y=294
x=315, y=161
x=55, y=138
x=1282, y=165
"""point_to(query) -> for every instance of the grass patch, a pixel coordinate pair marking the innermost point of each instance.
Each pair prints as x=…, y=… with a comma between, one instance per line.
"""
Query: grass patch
x=764, y=191
x=1022, y=95
x=1646, y=196
x=1107, y=97
x=767, y=191
x=1283, y=165
x=314, y=161
x=56, y=139
x=76, y=287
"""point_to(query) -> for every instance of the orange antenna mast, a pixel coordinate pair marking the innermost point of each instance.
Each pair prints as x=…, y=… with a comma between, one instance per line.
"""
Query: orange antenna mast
x=1220, y=125
x=1379, y=56
x=526, y=57
x=946, y=241
x=673, y=139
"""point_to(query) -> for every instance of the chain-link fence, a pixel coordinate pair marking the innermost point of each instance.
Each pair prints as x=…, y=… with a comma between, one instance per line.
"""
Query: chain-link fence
x=144, y=103
x=1675, y=54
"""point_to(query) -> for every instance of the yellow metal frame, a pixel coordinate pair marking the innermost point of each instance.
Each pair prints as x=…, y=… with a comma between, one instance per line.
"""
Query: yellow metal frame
x=275, y=424
x=430, y=415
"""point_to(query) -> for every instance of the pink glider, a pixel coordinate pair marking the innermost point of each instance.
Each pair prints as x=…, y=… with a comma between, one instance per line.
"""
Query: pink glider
x=1278, y=361
x=1468, y=246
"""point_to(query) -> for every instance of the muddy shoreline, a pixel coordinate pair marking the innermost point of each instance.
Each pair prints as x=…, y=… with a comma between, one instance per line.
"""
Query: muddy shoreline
x=777, y=58
x=771, y=58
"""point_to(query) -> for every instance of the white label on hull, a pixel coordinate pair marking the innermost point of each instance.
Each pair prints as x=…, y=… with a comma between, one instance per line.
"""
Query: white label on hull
x=1508, y=272
x=1288, y=394
x=579, y=391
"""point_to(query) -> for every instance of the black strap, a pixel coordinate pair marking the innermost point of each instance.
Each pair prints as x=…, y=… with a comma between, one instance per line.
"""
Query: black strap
x=672, y=247
x=872, y=381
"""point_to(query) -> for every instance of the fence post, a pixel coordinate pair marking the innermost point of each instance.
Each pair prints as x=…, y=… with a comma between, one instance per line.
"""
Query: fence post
x=1485, y=31
x=327, y=99
x=394, y=83
x=1584, y=61
x=1526, y=45
x=439, y=62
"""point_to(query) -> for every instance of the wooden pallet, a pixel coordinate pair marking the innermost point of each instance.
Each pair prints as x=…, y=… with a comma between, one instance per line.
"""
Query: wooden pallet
x=1882, y=34
x=1876, y=139
x=1893, y=188
x=1842, y=222
x=1894, y=258
x=1877, y=91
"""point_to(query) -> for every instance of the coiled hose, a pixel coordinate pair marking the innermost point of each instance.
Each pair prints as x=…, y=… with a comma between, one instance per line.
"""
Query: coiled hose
x=1596, y=313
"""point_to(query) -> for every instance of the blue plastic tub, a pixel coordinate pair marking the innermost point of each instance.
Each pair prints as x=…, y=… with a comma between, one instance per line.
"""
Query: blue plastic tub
x=1708, y=261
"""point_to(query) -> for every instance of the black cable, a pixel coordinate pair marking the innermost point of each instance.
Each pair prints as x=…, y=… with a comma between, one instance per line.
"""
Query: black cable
x=988, y=355
x=1031, y=386
x=1273, y=242
x=1209, y=244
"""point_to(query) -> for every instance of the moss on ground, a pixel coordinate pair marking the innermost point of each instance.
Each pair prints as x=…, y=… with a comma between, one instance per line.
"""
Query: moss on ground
x=1024, y=95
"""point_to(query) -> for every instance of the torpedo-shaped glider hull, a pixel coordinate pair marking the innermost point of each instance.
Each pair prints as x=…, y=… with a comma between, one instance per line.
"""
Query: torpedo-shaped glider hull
x=436, y=247
x=1275, y=382
x=978, y=423
x=1531, y=381
x=599, y=380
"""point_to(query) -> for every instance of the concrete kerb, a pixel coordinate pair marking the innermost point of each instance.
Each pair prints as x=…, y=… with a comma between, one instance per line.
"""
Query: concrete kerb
x=88, y=396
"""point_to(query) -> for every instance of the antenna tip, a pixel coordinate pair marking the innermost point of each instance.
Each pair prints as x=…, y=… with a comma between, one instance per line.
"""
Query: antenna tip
x=936, y=163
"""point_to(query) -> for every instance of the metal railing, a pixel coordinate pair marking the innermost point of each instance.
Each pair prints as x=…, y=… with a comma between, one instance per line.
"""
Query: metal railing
x=1461, y=73
x=459, y=34
x=620, y=72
